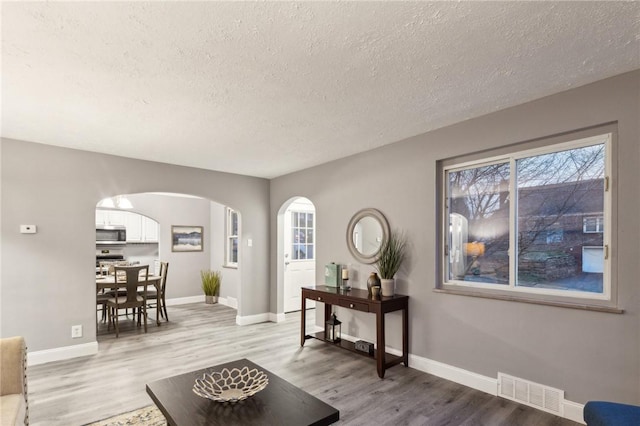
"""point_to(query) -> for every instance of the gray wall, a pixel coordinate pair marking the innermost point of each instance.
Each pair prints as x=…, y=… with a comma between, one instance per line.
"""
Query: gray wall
x=47, y=278
x=590, y=355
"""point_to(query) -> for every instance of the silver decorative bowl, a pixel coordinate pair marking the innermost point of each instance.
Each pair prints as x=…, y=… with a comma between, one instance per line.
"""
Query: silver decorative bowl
x=230, y=385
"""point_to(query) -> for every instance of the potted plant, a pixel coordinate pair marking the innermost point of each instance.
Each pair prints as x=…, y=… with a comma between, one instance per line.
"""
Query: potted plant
x=392, y=254
x=211, y=285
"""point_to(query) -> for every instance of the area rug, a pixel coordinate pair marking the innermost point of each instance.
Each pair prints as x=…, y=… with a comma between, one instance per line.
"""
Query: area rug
x=146, y=416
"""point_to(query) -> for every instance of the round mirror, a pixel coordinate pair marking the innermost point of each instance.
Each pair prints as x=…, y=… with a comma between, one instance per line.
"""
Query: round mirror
x=367, y=231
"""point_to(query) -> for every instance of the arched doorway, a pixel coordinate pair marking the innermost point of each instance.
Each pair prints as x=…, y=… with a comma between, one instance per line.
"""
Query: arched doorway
x=297, y=249
x=148, y=244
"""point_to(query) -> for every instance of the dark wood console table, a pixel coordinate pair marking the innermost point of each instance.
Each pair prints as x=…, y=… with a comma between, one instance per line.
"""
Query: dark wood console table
x=360, y=300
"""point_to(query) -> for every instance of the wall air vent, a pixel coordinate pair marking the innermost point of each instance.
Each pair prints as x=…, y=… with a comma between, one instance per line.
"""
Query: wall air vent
x=532, y=394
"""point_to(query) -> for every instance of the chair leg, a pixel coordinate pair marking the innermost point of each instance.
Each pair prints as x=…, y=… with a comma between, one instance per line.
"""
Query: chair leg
x=164, y=308
x=117, y=322
x=145, y=316
x=159, y=309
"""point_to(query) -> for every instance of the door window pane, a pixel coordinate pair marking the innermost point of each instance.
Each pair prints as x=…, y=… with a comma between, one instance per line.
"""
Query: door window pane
x=302, y=236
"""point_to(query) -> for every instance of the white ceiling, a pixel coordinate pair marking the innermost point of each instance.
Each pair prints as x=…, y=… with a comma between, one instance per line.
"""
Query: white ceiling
x=268, y=88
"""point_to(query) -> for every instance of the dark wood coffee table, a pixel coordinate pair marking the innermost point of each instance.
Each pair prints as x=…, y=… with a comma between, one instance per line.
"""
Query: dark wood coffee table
x=280, y=403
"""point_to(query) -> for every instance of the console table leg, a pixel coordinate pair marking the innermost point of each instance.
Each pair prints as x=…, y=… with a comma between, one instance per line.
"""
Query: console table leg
x=405, y=336
x=327, y=313
x=303, y=315
x=380, y=358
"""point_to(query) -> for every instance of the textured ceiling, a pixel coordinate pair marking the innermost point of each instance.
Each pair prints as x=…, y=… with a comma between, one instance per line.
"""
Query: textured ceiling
x=268, y=88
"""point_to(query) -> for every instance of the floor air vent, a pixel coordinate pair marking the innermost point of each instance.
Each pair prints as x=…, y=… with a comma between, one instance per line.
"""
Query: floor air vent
x=529, y=393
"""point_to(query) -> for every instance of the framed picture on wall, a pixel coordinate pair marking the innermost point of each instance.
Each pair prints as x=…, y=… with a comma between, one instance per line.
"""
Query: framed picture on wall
x=186, y=238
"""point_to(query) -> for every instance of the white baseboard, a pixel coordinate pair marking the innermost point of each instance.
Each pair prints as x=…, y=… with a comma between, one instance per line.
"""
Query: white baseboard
x=185, y=300
x=574, y=411
x=231, y=302
x=59, y=354
x=571, y=410
x=455, y=374
x=252, y=319
x=255, y=319
x=276, y=317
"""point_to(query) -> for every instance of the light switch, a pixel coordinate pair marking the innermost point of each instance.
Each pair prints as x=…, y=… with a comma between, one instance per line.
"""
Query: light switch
x=249, y=242
x=27, y=229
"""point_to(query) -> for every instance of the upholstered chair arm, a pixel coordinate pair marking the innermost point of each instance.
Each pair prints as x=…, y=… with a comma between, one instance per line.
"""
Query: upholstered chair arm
x=12, y=365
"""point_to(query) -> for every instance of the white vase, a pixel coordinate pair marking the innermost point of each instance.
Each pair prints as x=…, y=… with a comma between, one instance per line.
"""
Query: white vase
x=388, y=286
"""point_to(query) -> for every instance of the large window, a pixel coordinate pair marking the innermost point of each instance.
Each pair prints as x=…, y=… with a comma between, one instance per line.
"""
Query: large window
x=532, y=221
x=231, y=242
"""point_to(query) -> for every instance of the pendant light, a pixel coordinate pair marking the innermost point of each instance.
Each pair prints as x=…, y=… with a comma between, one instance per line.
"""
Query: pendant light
x=121, y=202
x=107, y=203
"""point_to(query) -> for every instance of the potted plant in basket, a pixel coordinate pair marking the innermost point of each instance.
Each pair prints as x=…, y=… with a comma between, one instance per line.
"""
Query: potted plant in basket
x=211, y=285
x=392, y=254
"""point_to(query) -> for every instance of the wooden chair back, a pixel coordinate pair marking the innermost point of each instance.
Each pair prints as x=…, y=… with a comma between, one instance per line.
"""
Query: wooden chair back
x=164, y=270
x=130, y=277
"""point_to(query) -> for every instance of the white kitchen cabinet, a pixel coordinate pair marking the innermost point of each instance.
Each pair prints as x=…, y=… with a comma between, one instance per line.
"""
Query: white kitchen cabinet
x=110, y=217
x=150, y=229
x=133, y=222
x=101, y=217
x=140, y=229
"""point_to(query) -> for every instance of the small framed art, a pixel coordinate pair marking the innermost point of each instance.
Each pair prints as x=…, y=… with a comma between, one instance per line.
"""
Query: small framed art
x=186, y=238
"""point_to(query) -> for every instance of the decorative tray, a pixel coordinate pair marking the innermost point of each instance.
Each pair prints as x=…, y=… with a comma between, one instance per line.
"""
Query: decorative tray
x=230, y=385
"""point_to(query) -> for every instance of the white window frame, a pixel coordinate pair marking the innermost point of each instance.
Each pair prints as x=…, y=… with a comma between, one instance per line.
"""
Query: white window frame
x=599, y=224
x=522, y=292
x=230, y=237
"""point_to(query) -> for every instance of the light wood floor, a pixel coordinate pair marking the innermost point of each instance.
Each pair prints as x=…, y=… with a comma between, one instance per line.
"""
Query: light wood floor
x=82, y=390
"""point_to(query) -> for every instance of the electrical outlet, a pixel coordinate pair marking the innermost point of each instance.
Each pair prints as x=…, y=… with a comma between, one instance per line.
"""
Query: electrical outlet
x=76, y=331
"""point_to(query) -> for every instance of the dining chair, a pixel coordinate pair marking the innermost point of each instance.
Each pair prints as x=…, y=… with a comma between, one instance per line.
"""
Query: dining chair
x=102, y=296
x=134, y=276
x=152, y=296
x=106, y=269
x=101, y=304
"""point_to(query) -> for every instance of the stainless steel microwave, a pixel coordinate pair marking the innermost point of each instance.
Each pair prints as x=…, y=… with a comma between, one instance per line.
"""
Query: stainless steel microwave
x=110, y=235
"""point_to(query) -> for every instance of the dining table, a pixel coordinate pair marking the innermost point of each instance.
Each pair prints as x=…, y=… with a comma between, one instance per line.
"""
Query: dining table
x=107, y=282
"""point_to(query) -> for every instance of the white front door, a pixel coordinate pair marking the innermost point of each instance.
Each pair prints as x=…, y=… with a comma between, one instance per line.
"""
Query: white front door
x=299, y=252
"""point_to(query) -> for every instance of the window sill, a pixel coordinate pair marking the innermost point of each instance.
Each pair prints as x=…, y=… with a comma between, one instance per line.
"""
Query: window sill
x=510, y=298
x=230, y=266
